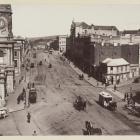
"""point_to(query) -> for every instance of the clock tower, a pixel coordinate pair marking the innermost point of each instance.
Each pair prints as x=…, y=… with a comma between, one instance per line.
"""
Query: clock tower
x=6, y=51
x=5, y=21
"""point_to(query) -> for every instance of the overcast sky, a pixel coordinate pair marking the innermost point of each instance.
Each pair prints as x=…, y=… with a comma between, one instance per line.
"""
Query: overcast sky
x=45, y=20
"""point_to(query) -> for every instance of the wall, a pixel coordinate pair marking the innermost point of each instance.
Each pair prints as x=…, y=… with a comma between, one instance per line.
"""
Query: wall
x=130, y=53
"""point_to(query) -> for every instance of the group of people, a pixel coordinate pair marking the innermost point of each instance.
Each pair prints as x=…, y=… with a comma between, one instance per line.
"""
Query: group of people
x=21, y=96
x=128, y=97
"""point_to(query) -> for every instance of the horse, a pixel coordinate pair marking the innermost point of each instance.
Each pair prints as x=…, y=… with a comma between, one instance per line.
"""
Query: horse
x=79, y=104
x=112, y=105
x=85, y=132
x=91, y=130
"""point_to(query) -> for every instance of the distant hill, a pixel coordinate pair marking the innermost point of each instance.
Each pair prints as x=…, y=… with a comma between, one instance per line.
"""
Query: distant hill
x=36, y=40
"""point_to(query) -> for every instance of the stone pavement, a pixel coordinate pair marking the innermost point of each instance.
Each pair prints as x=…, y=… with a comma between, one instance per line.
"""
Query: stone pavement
x=12, y=98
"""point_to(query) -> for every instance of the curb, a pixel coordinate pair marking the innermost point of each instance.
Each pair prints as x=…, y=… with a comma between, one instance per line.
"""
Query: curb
x=16, y=110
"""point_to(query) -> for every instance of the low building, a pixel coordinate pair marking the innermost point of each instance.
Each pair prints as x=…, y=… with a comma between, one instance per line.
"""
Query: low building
x=62, y=43
x=115, y=70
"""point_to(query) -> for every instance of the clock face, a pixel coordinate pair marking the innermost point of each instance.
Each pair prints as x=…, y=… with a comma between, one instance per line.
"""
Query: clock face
x=2, y=23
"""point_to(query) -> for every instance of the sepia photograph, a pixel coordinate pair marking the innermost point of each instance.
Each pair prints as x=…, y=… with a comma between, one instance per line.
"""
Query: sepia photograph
x=69, y=69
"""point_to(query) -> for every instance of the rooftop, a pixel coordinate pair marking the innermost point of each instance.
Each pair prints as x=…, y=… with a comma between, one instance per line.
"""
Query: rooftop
x=115, y=62
x=105, y=94
x=96, y=27
x=131, y=32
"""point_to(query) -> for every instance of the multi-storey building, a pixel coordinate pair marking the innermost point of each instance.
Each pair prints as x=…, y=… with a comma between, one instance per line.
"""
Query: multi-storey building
x=88, y=54
x=6, y=51
x=82, y=28
x=62, y=43
x=115, y=70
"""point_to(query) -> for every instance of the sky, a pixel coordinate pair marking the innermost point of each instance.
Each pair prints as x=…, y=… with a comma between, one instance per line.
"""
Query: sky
x=52, y=19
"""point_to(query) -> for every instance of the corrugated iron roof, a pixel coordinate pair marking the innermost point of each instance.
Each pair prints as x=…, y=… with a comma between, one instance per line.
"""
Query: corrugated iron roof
x=115, y=62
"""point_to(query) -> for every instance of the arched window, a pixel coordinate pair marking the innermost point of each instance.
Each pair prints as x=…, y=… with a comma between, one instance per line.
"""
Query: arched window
x=1, y=56
x=1, y=53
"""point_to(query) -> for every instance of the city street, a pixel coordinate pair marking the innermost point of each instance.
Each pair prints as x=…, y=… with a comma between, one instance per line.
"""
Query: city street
x=54, y=114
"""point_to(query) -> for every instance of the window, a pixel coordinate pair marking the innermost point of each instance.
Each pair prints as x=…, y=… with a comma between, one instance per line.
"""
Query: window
x=15, y=63
x=117, y=69
x=111, y=68
x=15, y=53
x=121, y=68
x=125, y=68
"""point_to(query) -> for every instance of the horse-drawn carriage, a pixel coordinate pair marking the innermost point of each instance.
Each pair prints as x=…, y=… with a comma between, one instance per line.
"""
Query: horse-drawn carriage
x=81, y=76
x=40, y=63
x=32, y=65
x=32, y=95
x=50, y=65
x=106, y=100
x=80, y=103
x=90, y=130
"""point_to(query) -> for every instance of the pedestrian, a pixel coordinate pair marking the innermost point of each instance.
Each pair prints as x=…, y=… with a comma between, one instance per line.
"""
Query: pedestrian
x=59, y=85
x=28, y=117
x=97, y=84
x=33, y=85
x=126, y=96
x=28, y=86
x=34, y=134
x=115, y=87
x=18, y=99
x=131, y=95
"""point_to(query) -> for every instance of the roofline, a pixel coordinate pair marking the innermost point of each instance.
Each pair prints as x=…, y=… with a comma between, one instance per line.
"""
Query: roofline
x=8, y=42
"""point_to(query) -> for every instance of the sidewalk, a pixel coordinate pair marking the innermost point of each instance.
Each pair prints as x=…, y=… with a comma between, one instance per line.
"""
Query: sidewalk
x=12, y=98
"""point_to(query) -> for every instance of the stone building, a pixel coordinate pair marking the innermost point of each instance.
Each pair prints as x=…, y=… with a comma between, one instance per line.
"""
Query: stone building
x=88, y=54
x=19, y=52
x=6, y=51
x=82, y=28
x=115, y=71
x=62, y=43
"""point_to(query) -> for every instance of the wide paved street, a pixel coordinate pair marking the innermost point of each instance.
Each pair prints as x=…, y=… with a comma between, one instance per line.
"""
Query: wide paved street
x=54, y=114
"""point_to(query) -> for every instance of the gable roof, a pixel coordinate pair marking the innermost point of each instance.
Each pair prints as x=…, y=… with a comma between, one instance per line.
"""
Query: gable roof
x=131, y=31
x=83, y=24
x=96, y=27
x=115, y=62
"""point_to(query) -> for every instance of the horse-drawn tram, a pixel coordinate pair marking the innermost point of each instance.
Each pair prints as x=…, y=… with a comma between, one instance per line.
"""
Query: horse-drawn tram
x=106, y=100
x=32, y=95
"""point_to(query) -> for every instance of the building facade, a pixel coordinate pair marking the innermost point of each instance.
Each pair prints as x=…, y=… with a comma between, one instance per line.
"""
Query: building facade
x=62, y=43
x=88, y=54
x=115, y=70
x=6, y=50
x=82, y=28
